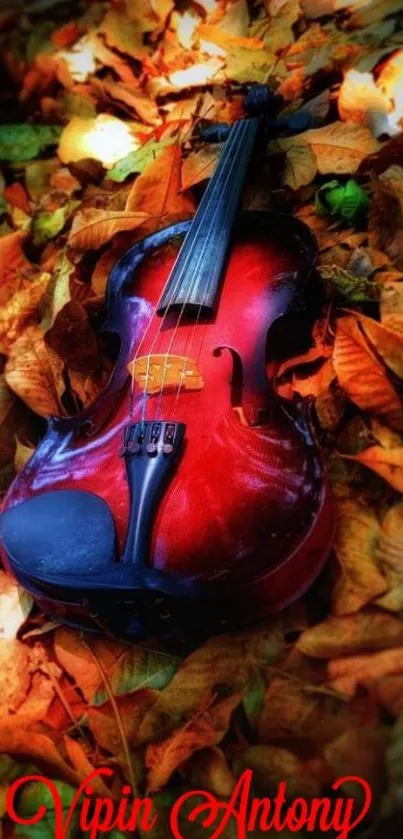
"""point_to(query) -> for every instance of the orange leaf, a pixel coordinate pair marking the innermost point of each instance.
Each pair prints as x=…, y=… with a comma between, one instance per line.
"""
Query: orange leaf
x=94, y=228
x=362, y=376
x=14, y=266
x=35, y=373
x=388, y=463
x=157, y=192
x=66, y=35
x=20, y=308
x=17, y=197
x=207, y=728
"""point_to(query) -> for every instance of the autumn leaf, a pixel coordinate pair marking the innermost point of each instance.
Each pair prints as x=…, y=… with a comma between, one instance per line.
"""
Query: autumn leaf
x=123, y=34
x=75, y=657
x=158, y=192
x=272, y=764
x=228, y=660
x=93, y=228
x=339, y=148
x=300, y=165
x=35, y=373
x=356, y=550
x=365, y=669
x=206, y=728
x=209, y=769
x=15, y=268
x=369, y=629
x=15, y=606
x=25, y=742
x=20, y=308
x=131, y=709
x=385, y=461
x=361, y=101
x=200, y=165
x=361, y=374
x=360, y=754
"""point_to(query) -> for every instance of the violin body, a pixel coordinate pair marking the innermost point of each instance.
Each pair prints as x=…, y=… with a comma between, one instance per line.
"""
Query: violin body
x=243, y=524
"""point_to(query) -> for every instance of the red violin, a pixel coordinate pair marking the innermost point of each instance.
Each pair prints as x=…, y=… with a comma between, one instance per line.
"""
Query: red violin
x=189, y=494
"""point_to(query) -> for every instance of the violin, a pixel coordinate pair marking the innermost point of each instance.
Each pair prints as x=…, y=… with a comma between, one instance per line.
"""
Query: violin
x=189, y=495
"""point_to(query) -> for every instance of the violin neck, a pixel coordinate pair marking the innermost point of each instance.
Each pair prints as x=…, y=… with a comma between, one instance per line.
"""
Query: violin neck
x=195, y=279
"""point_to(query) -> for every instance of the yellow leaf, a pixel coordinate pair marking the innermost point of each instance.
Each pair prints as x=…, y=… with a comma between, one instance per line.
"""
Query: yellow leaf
x=123, y=34
x=365, y=669
x=206, y=728
x=93, y=228
x=22, y=455
x=369, y=629
x=388, y=463
x=35, y=373
x=355, y=546
x=157, y=192
x=362, y=376
x=339, y=148
x=370, y=11
x=20, y=309
x=104, y=138
x=15, y=606
x=300, y=164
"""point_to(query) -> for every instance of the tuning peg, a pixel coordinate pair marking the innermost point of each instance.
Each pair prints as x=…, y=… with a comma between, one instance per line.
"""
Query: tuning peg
x=217, y=133
x=294, y=123
x=260, y=99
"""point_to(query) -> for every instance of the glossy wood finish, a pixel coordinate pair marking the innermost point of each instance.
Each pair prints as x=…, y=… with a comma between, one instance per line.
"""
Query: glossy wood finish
x=247, y=513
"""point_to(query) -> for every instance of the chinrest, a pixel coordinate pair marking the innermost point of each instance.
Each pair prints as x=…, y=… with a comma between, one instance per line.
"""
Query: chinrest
x=60, y=532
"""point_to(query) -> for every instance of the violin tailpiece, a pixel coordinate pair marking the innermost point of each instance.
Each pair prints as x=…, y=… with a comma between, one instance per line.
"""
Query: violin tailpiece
x=151, y=451
x=157, y=372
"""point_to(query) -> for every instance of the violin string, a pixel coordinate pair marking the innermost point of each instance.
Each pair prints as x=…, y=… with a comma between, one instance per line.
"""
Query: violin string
x=199, y=223
x=236, y=141
x=136, y=355
x=191, y=335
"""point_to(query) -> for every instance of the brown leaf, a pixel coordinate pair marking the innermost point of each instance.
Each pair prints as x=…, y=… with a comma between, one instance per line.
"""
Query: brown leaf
x=84, y=767
x=206, y=728
x=362, y=376
x=208, y=769
x=200, y=165
x=340, y=147
x=131, y=707
x=93, y=228
x=228, y=660
x=386, y=462
x=19, y=309
x=22, y=741
x=35, y=373
x=272, y=764
x=157, y=192
x=15, y=268
x=78, y=662
x=356, y=550
x=369, y=629
x=360, y=754
x=367, y=668
x=15, y=675
x=73, y=338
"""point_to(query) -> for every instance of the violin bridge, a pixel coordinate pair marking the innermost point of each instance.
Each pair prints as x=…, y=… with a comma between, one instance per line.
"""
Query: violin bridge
x=158, y=372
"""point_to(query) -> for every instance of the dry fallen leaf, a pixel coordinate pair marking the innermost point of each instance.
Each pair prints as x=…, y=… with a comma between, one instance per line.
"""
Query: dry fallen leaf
x=157, y=192
x=35, y=373
x=93, y=228
x=370, y=629
x=356, y=550
x=339, y=148
x=207, y=727
x=362, y=376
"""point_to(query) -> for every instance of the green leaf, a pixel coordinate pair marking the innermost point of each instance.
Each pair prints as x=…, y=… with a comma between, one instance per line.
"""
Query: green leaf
x=47, y=225
x=35, y=794
x=19, y=142
x=139, y=668
x=347, y=201
x=253, y=700
x=137, y=161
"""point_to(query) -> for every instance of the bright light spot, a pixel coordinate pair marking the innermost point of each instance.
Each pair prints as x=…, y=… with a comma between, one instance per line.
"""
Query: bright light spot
x=207, y=5
x=195, y=76
x=104, y=138
x=210, y=48
x=80, y=60
x=361, y=101
x=390, y=82
x=185, y=26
